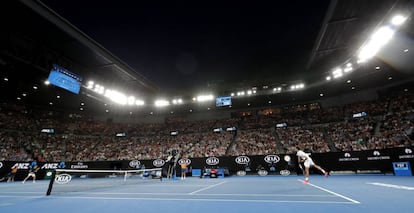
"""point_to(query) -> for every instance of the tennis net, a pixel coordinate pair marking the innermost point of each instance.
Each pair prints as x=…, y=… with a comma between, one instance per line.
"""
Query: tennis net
x=73, y=180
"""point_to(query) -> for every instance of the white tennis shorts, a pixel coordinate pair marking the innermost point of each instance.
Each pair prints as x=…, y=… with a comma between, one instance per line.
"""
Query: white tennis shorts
x=308, y=163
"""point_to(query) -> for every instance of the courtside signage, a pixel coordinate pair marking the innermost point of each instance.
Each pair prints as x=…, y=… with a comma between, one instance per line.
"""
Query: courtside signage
x=79, y=165
x=271, y=158
x=408, y=154
x=377, y=156
x=63, y=178
x=134, y=163
x=348, y=157
x=212, y=161
x=242, y=160
x=185, y=160
x=158, y=162
x=284, y=172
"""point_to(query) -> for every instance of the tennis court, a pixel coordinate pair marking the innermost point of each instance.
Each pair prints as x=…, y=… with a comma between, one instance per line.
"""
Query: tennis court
x=231, y=194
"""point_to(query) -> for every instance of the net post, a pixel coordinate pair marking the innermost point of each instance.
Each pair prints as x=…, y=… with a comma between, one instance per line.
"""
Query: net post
x=52, y=180
x=125, y=175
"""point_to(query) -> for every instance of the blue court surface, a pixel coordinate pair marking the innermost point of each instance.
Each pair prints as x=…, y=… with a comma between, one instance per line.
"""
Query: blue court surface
x=231, y=194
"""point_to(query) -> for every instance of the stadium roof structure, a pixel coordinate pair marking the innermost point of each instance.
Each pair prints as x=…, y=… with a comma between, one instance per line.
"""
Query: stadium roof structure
x=35, y=37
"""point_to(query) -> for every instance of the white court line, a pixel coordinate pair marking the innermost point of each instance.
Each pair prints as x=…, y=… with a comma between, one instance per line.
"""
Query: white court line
x=392, y=186
x=7, y=204
x=267, y=195
x=208, y=187
x=186, y=194
x=334, y=193
x=175, y=185
x=22, y=196
x=206, y=200
x=5, y=192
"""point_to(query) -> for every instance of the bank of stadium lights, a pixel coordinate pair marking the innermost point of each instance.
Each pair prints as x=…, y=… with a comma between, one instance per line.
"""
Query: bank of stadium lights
x=378, y=40
x=297, y=87
x=241, y=93
x=277, y=89
x=114, y=95
x=177, y=101
x=398, y=20
x=161, y=103
x=204, y=98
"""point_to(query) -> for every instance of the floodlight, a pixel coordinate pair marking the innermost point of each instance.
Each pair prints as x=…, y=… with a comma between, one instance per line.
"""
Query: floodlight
x=360, y=61
x=177, y=101
x=202, y=98
x=101, y=90
x=161, y=103
x=348, y=69
x=118, y=97
x=328, y=78
x=398, y=20
x=108, y=93
x=131, y=100
x=378, y=40
x=139, y=102
x=337, y=73
x=90, y=84
x=46, y=82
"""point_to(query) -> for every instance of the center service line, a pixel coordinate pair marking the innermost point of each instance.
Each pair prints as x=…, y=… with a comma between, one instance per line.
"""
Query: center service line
x=329, y=191
x=208, y=187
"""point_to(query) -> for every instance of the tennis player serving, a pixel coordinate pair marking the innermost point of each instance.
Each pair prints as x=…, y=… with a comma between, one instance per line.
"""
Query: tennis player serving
x=308, y=162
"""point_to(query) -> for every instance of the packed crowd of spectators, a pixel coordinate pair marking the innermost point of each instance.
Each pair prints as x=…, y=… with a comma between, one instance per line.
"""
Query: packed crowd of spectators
x=388, y=123
x=306, y=138
x=253, y=142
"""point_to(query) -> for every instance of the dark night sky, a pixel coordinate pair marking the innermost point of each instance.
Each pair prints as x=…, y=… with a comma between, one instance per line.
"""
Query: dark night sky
x=179, y=47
